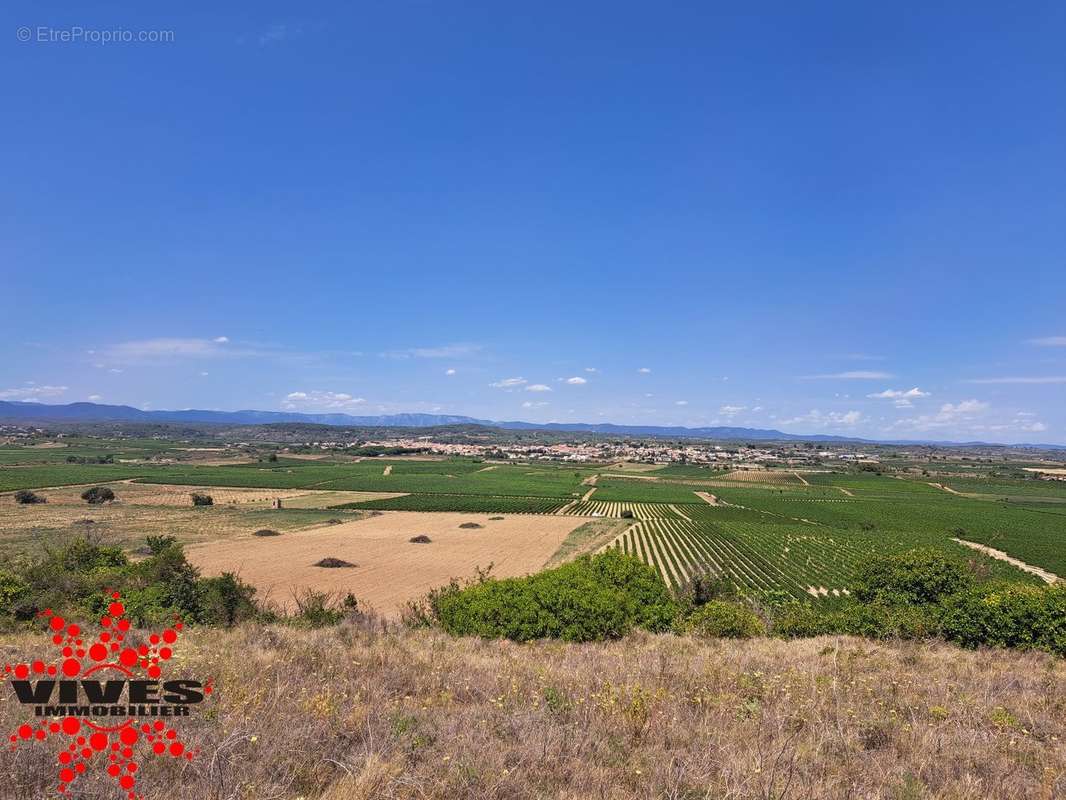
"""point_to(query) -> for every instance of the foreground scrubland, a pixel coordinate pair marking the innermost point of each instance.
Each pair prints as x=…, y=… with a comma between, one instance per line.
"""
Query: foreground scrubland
x=358, y=711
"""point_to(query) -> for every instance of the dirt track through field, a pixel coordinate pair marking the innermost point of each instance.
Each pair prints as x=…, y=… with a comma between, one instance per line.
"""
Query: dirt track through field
x=390, y=569
x=1043, y=574
x=588, y=494
x=707, y=497
x=801, y=479
x=945, y=488
x=845, y=491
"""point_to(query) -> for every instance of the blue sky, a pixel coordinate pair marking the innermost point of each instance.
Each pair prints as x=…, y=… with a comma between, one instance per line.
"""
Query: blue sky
x=827, y=217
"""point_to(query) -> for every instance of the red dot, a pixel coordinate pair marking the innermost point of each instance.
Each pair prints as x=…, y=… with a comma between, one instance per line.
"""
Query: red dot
x=123, y=624
x=40, y=735
x=98, y=741
x=71, y=725
x=64, y=758
x=105, y=622
x=22, y=671
x=71, y=667
x=98, y=652
x=154, y=671
x=57, y=639
x=159, y=748
x=25, y=731
x=116, y=609
x=57, y=623
x=131, y=767
x=85, y=753
x=169, y=636
x=158, y=725
x=54, y=727
x=154, y=638
x=52, y=669
x=66, y=775
x=38, y=666
x=177, y=749
x=165, y=653
x=114, y=770
x=73, y=631
x=128, y=657
x=105, y=637
x=128, y=736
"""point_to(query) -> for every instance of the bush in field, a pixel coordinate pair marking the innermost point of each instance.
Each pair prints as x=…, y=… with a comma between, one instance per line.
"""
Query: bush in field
x=266, y=532
x=721, y=620
x=1008, y=615
x=596, y=597
x=226, y=601
x=627, y=514
x=25, y=497
x=202, y=499
x=98, y=495
x=917, y=576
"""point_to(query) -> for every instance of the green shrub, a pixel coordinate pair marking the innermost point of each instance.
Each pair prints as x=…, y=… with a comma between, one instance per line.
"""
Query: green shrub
x=202, y=499
x=721, y=620
x=917, y=576
x=226, y=600
x=1008, y=615
x=98, y=495
x=24, y=497
x=593, y=598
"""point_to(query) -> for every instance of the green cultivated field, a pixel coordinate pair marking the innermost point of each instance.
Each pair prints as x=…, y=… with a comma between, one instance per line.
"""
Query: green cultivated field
x=775, y=533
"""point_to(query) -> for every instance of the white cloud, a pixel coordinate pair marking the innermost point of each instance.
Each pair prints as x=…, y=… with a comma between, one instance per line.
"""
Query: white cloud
x=681, y=402
x=731, y=411
x=538, y=387
x=1049, y=341
x=576, y=381
x=95, y=398
x=531, y=404
x=902, y=397
x=508, y=383
x=853, y=375
x=31, y=391
x=1036, y=380
x=963, y=407
x=1034, y=427
x=816, y=419
x=591, y=369
x=167, y=349
x=204, y=374
x=320, y=400
x=442, y=351
x=951, y=415
x=449, y=372
x=644, y=370
x=893, y=394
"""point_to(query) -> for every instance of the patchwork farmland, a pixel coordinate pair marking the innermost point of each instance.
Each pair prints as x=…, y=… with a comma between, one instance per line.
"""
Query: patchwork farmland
x=804, y=534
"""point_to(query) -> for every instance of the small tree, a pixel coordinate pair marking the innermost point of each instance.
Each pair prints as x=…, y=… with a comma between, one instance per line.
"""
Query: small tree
x=27, y=498
x=202, y=499
x=98, y=495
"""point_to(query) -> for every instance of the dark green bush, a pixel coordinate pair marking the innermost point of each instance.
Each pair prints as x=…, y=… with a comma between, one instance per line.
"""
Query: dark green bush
x=1008, y=615
x=202, y=499
x=98, y=495
x=592, y=598
x=721, y=620
x=24, y=497
x=917, y=576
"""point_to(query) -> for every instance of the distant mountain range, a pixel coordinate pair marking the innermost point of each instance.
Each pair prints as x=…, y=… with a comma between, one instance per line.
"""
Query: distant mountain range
x=96, y=412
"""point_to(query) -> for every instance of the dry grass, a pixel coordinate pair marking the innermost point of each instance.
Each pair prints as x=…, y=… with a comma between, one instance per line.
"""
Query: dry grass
x=144, y=510
x=391, y=569
x=355, y=712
